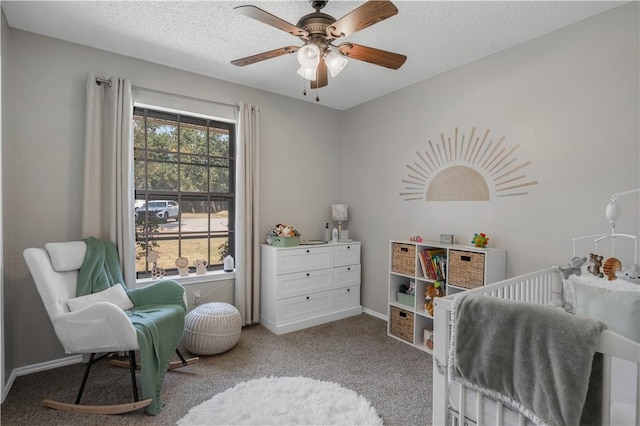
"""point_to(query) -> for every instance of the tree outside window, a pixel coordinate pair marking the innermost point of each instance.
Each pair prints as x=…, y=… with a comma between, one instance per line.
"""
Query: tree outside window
x=184, y=169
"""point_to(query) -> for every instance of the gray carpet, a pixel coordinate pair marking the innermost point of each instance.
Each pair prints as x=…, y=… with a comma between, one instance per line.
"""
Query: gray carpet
x=355, y=352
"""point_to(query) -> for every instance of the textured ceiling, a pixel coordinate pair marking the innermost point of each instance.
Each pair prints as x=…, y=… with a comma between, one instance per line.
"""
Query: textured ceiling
x=204, y=36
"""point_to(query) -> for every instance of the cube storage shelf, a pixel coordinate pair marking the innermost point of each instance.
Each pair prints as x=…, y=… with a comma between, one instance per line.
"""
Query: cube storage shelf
x=466, y=268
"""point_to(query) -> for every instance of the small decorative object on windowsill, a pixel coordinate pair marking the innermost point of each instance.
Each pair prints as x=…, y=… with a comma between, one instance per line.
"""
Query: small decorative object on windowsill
x=156, y=271
x=201, y=266
x=416, y=238
x=182, y=263
x=228, y=264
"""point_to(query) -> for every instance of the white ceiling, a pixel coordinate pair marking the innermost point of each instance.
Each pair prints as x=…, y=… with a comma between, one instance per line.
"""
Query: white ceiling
x=204, y=36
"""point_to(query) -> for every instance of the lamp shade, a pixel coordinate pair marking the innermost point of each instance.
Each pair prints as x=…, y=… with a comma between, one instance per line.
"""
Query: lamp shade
x=335, y=63
x=309, y=56
x=339, y=212
x=308, y=73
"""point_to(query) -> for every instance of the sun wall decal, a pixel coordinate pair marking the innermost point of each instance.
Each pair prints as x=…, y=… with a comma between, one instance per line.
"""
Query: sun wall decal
x=461, y=168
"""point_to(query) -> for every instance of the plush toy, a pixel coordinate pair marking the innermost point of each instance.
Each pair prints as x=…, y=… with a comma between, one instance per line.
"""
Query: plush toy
x=416, y=238
x=156, y=271
x=630, y=273
x=432, y=293
x=574, y=267
x=596, y=261
x=201, y=266
x=610, y=267
x=182, y=263
x=480, y=240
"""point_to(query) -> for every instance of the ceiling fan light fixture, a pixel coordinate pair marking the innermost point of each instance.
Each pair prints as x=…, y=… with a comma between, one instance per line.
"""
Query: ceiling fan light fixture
x=307, y=73
x=335, y=63
x=309, y=56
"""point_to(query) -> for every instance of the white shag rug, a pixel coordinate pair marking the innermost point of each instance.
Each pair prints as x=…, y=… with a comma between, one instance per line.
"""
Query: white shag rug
x=284, y=401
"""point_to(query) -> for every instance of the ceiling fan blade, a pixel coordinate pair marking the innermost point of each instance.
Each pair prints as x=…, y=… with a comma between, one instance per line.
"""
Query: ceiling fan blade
x=321, y=76
x=269, y=19
x=264, y=55
x=362, y=17
x=371, y=55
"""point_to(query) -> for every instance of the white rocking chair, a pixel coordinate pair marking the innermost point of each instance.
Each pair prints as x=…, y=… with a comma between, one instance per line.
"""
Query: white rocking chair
x=99, y=328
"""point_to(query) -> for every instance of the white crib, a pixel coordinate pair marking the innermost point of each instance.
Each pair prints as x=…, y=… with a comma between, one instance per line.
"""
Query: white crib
x=453, y=406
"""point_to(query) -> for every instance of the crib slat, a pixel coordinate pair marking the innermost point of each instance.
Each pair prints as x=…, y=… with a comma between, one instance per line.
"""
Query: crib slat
x=462, y=404
x=522, y=420
x=499, y=413
x=606, y=390
x=638, y=394
x=479, y=409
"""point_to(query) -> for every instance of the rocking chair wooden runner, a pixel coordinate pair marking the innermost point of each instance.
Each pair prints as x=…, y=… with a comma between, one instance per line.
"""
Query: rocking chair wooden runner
x=97, y=325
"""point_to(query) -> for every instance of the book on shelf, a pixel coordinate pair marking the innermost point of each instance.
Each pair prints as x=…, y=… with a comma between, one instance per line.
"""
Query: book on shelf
x=423, y=263
x=434, y=259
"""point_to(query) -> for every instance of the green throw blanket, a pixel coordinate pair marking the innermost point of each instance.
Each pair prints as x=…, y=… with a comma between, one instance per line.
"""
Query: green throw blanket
x=158, y=314
x=536, y=359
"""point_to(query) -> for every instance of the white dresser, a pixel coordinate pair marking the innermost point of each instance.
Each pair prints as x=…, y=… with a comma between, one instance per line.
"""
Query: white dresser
x=308, y=285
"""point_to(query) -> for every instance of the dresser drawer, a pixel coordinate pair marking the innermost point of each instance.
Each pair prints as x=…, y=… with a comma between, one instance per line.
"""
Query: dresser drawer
x=302, y=307
x=346, y=276
x=345, y=298
x=290, y=285
x=304, y=259
x=348, y=254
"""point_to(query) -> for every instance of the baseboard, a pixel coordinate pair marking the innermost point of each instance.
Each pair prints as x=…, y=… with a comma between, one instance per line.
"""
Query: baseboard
x=375, y=314
x=34, y=368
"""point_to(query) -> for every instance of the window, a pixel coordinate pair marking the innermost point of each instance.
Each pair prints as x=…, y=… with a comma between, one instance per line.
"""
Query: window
x=184, y=168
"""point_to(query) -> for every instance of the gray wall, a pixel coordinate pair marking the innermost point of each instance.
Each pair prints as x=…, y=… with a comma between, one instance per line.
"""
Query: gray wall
x=44, y=102
x=569, y=99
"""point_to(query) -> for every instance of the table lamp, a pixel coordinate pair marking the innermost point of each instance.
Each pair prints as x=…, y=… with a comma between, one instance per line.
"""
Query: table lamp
x=339, y=214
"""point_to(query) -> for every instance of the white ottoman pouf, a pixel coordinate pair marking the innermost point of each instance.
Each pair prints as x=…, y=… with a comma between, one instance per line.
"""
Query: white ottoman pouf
x=212, y=328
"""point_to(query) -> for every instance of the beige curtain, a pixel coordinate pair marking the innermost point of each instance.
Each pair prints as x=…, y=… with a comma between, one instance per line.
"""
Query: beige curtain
x=247, y=286
x=108, y=168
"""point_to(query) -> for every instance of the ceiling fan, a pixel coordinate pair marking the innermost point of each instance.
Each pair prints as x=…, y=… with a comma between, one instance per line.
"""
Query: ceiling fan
x=318, y=31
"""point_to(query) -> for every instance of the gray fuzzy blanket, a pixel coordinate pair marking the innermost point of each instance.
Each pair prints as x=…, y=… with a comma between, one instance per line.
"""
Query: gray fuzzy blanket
x=536, y=359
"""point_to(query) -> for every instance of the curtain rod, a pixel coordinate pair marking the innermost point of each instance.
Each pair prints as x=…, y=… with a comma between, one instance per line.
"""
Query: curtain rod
x=100, y=81
x=193, y=98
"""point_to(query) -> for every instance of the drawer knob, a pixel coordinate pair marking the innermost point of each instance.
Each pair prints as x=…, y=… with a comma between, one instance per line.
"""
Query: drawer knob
x=307, y=274
x=348, y=290
x=348, y=247
x=348, y=269
x=307, y=250
x=307, y=297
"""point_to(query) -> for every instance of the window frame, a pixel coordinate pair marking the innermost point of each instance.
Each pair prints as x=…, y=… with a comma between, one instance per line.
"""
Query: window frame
x=181, y=119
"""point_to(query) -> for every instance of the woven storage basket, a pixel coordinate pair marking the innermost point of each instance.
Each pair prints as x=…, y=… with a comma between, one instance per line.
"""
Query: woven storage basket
x=212, y=328
x=401, y=324
x=403, y=258
x=466, y=269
